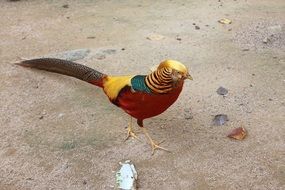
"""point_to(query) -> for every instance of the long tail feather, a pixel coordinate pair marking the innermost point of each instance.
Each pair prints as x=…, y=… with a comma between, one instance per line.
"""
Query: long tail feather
x=66, y=68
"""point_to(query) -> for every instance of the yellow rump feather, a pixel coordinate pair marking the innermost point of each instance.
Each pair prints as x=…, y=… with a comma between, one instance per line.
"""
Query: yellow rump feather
x=113, y=85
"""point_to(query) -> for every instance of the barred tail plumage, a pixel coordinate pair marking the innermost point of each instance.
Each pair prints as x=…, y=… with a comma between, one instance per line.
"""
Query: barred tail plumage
x=64, y=67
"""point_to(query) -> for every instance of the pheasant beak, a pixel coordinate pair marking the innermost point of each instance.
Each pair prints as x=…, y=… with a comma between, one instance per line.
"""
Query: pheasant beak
x=189, y=77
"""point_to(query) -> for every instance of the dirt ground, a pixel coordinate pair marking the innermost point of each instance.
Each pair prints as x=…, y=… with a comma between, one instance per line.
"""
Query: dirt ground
x=57, y=132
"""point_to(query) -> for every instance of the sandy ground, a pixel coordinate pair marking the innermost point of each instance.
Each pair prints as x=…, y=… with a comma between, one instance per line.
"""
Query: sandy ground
x=57, y=132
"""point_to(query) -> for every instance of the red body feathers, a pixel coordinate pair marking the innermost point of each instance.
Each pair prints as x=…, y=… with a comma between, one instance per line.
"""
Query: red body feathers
x=141, y=105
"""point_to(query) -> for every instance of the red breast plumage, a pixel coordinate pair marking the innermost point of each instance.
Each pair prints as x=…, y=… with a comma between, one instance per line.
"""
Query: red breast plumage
x=143, y=105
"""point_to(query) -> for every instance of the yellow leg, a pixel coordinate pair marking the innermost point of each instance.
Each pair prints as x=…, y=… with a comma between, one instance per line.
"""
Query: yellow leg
x=152, y=143
x=130, y=132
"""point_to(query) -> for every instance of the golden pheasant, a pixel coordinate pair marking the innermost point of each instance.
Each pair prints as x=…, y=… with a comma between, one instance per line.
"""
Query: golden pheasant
x=141, y=96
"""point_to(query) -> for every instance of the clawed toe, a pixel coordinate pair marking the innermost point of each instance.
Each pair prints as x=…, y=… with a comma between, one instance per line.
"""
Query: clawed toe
x=131, y=134
x=155, y=146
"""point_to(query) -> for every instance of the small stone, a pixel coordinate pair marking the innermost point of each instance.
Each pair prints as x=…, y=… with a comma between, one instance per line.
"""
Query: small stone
x=197, y=27
x=123, y=49
x=246, y=49
x=91, y=37
x=84, y=182
x=222, y=91
x=65, y=6
x=237, y=133
x=220, y=119
x=265, y=40
x=178, y=38
x=41, y=117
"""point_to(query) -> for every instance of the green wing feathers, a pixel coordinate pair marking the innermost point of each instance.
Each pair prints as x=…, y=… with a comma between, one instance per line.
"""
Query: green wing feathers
x=139, y=84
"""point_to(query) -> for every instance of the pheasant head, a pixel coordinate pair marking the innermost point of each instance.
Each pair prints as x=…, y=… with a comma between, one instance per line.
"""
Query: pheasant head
x=169, y=74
